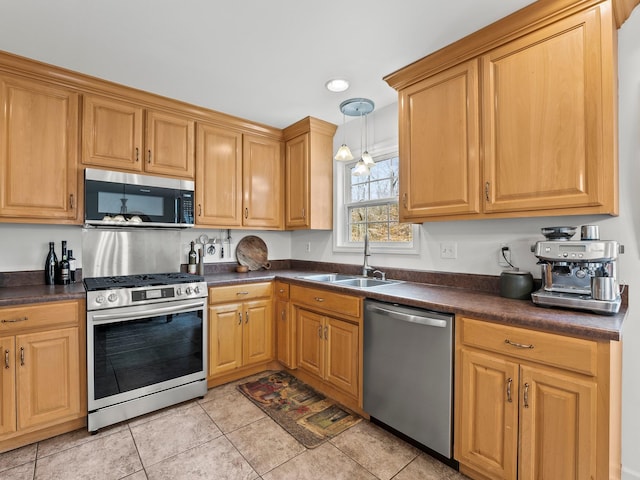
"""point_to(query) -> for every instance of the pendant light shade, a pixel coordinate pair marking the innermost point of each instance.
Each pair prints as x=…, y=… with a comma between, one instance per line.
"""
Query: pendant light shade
x=355, y=107
x=361, y=169
x=344, y=154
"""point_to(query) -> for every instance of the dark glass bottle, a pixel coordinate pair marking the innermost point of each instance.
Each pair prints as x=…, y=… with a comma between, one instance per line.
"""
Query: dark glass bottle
x=72, y=266
x=50, y=266
x=193, y=258
x=64, y=276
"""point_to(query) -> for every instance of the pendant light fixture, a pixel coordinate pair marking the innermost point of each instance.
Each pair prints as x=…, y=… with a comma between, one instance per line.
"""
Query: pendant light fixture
x=356, y=107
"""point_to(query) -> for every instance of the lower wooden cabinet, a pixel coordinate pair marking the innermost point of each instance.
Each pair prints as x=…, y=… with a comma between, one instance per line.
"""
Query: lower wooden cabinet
x=42, y=382
x=535, y=405
x=240, y=331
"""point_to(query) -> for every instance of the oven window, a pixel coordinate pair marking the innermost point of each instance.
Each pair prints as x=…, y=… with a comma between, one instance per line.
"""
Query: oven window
x=138, y=353
x=112, y=203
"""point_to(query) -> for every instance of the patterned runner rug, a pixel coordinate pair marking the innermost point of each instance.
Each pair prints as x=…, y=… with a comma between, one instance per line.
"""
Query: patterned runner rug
x=306, y=414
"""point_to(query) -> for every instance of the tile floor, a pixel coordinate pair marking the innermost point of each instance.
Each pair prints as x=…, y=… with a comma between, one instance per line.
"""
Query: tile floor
x=222, y=436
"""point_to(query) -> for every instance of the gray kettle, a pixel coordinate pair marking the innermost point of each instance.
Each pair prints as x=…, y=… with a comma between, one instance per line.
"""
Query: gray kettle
x=516, y=284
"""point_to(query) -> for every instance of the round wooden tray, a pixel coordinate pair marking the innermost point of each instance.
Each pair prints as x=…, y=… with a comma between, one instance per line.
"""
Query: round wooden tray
x=252, y=252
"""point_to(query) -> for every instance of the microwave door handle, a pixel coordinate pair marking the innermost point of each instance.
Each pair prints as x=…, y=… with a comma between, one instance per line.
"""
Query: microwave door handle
x=105, y=317
x=178, y=212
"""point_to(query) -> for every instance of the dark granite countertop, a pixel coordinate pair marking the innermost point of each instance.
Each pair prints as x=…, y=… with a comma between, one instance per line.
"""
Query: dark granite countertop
x=460, y=301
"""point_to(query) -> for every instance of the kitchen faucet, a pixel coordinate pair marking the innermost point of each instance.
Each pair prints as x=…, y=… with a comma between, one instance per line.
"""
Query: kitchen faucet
x=365, y=264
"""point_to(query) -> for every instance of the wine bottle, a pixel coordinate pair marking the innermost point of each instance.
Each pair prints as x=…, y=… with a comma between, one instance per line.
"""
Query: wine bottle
x=191, y=268
x=72, y=267
x=50, y=266
x=64, y=278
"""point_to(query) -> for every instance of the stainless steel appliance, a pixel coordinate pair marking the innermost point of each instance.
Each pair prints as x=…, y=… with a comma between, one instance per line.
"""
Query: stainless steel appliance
x=408, y=373
x=580, y=274
x=135, y=200
x=146, y=344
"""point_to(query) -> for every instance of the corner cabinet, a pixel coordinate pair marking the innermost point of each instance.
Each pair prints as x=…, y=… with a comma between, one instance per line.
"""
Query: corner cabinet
x=534, y=136
x=128, y=136
x=535, y=405
x=309, y=175
x=285, y=326
x=38, y=152
x=43, y=379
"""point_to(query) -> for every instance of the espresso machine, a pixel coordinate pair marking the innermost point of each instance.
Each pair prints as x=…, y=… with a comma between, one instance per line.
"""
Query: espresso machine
x=580, y=274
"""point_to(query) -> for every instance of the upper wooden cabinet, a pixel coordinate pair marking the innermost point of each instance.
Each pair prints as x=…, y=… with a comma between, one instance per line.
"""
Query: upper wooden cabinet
x=536, y=136
x=123, y=135
x=309, y=175
x=38, y=151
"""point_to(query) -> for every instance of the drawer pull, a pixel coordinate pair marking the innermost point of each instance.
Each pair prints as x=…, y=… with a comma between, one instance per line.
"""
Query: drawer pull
x=242, y=293
x=517, y=345
x=281, y=290
x=318, y=299
x=320, y=332
x=22, y=356
x=509, y=382
x=6, y=359
x=16, y=320
x=526, y=395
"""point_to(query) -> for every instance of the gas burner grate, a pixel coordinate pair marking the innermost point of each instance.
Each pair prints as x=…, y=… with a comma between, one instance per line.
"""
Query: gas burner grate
x=142, y=280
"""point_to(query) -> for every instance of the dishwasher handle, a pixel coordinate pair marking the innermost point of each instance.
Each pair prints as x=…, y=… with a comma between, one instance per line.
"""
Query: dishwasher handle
x=407, y=317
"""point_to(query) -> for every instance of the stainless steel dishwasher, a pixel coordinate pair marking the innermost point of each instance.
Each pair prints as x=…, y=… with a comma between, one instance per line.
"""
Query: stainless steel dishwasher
x=408, y=365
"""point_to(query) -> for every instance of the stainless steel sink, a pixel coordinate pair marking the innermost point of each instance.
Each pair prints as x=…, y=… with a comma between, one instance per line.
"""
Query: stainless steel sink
x=327, y=277
x=365, y=282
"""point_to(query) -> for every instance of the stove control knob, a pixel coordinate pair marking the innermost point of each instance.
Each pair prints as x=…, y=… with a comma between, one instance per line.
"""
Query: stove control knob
x=178, y=291
x=112, y=297
x=196, y=290
x=100, y=299
x=189, y=290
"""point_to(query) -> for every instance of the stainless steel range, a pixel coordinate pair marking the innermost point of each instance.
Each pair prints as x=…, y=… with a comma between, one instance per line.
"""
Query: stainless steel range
x=146, y=344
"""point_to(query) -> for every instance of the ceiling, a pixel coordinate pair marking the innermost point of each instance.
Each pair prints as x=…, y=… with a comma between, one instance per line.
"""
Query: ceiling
x=266, y=61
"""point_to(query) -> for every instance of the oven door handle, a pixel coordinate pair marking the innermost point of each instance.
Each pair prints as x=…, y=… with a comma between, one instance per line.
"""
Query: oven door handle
x=104, y=317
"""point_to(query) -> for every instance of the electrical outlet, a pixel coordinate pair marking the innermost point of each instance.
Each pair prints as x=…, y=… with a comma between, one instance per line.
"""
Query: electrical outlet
x=307, y=247
x=507, y=253
x=449, y=250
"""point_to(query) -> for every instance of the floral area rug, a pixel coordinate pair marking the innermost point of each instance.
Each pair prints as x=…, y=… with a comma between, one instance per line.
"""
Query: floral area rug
x=307, y=415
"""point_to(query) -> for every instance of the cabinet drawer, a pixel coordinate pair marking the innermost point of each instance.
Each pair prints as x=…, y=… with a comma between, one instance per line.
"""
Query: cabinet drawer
x=38, y=316
x=569, y=353
x=343, y=305
x=282, y=290
x=235, y=293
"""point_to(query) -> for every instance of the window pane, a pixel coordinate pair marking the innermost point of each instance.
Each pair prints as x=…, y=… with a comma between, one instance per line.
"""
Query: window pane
x=358, y=214
x=378, y=213
x=394, y=212
x=379, y=232
x=380, y=189
x=359, y=193
x=357, y=233
x=400, y=232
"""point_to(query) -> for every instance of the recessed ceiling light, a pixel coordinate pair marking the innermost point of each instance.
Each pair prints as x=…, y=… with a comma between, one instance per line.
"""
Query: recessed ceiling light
x=337, y=85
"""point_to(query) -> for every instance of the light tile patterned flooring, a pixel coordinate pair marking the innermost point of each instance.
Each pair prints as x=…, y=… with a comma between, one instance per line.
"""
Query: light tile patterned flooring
x=222, y=436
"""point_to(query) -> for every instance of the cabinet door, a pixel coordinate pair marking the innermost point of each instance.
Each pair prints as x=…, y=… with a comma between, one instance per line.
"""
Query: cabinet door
x=439, y=145
x=38, y=150
x=225, y=338
x=311, y=347
x=557, y=426
x=8, y=386
x=169, y=145
x=486, y=429
x=297, y=182
x=342, y=355
x=544, y=118
x=112, y=133
x=48, y=377
x=257, y=338
x=262, y=183
x=284, y=332
x=218, y=177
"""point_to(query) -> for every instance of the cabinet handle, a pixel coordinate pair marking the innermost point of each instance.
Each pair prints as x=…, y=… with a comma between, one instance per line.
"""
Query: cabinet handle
x=246, y=319
x=6, y=359
x=320, y=332
x=318, y=299
x=518, y=345
x=526, y=395
x=326, y=333
x=15, y=320
x=509, y=382
x=246, y=213
x=303, y=212
x=149, y=159
x=71, y=202
x=137, y=154
x=242, y=293
x=283, y=315
x=22, y=356
x=404, y=199
x=199, y=209
x=281, y=290
x=239, y=318
x=486, y=191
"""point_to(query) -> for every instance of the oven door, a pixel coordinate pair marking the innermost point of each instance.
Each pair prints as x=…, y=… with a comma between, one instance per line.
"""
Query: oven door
x=144, y=349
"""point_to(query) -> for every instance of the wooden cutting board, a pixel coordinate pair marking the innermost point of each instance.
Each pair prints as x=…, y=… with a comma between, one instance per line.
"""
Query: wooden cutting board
x=252, y=252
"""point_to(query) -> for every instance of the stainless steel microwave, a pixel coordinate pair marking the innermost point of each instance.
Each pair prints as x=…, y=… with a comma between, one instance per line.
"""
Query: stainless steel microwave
x=119, y=199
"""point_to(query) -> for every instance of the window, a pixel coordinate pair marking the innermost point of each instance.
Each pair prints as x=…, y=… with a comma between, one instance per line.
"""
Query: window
x=371, y=205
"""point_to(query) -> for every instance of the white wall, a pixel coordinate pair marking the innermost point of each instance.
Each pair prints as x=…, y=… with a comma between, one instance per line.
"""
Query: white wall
x=478, y=241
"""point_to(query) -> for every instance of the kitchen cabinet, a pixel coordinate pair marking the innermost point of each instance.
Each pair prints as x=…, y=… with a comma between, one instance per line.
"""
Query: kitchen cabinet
x=285, y=327
x=127, y=136
x=239, y=179
x=534, y=405
x=535, y=137
x=329, y=341
x=42, y=382
x=240, y=327
x=38, y=152
x=309, y=155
